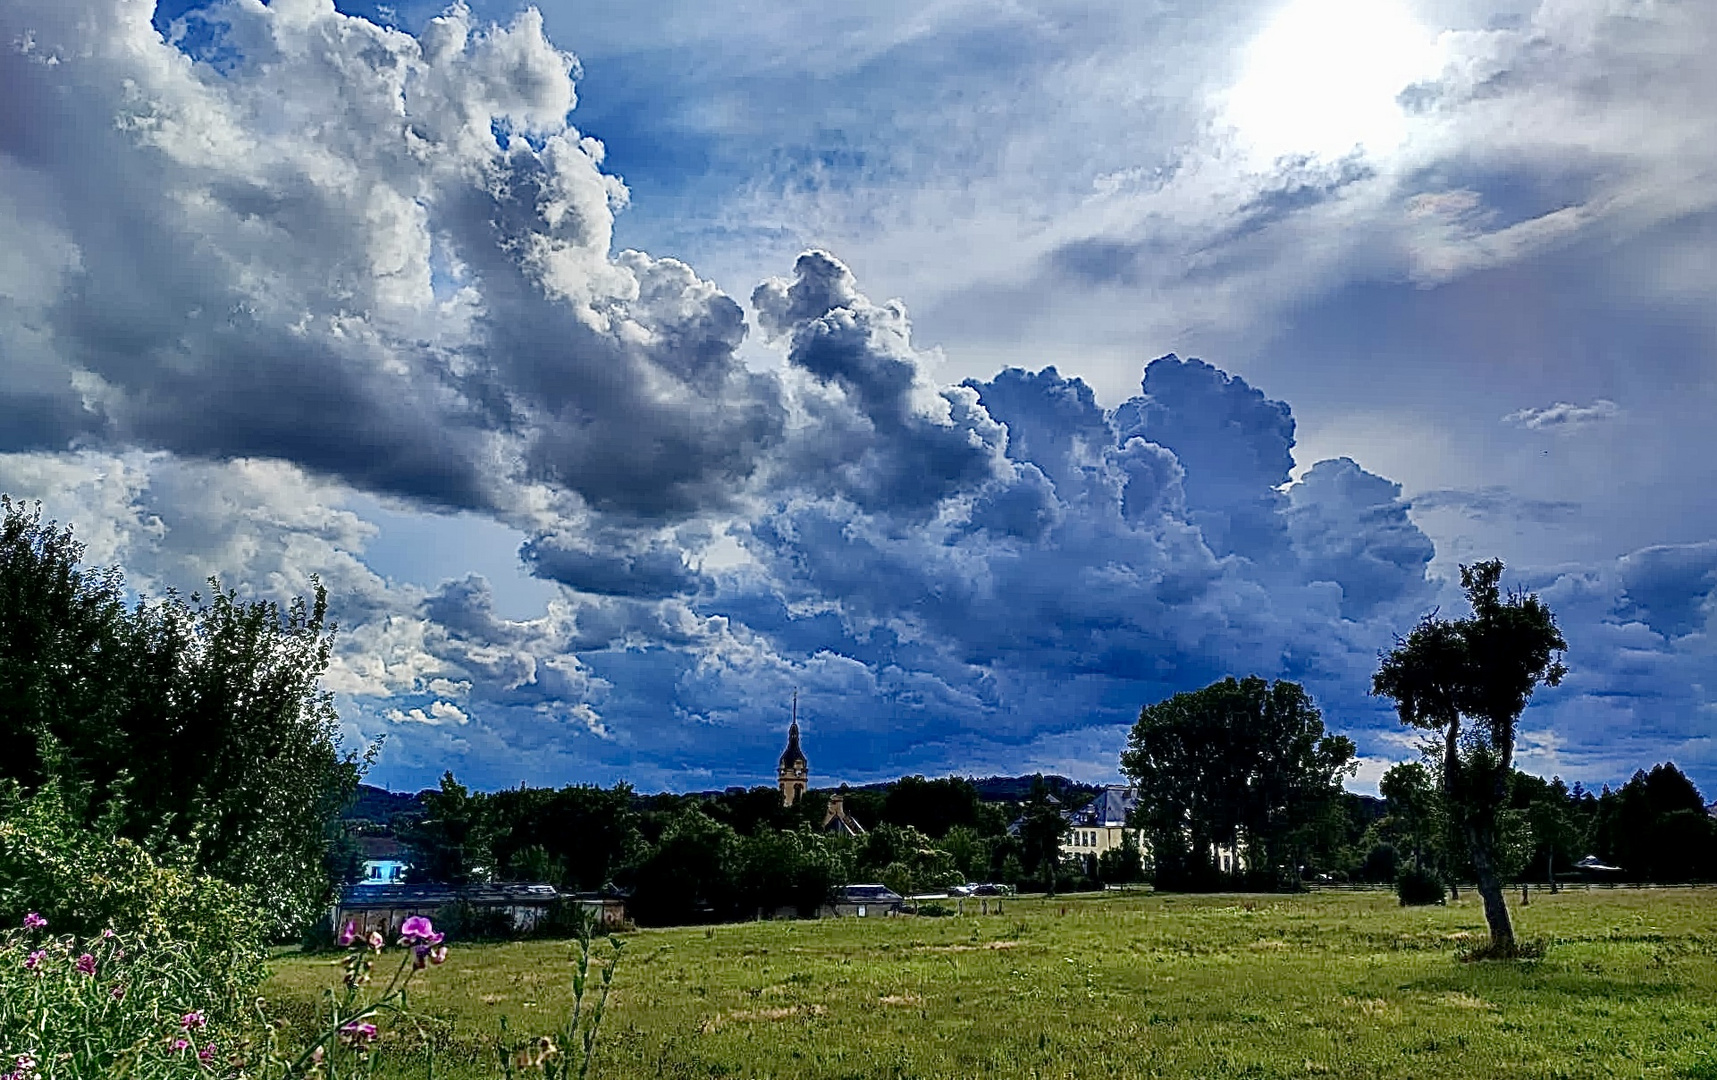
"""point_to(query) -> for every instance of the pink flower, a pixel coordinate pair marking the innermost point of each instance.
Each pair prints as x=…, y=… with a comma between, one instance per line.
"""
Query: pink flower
x=207, y=1053
x=359, y=1031
x=33, y=921
x=86, y=964
x=118, y=992
x=349, y=934
x=180, y=1045
x=376, y=941
x=191, y=1021
x=108, y=934
x=34, y=960
x=418, y=930
x=438, y=955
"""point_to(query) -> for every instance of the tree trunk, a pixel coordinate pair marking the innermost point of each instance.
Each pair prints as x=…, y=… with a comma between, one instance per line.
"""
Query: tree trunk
x=1490, y=889
x=1550, y=869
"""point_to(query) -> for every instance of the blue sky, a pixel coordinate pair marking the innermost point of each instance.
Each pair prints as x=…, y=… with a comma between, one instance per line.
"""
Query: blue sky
x=623, y=368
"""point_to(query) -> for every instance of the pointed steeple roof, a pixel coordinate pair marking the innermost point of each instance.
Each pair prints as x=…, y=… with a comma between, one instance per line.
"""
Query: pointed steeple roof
x=793, y=758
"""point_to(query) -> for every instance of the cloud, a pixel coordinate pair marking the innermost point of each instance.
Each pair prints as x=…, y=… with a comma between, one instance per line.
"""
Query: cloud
x=414, y=294
x=301, y=265
x=1563, y=416
x=440, y=712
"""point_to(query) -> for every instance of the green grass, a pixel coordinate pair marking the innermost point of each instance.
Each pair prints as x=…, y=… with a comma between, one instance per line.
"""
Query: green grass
x=1338, y=985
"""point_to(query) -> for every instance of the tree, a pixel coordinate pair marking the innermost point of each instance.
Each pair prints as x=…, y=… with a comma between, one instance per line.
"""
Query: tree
x=1122, y=865
x=1042, y=827
x=931, y=806
x=690, y=874
x=1241, y=764
x=1412, y=802
x=194, y=726
x=1468, y=680
x=454, y=840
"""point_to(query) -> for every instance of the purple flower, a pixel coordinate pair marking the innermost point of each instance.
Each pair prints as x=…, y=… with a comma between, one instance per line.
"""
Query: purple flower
x=34, y=960
x=86, y=964
x=349, y=934
x=118, y=992
x=33, y=921
x=359, y=1031
x=418, y=930
x=191, y=1021
x=207, y=1053
x=179, y=1046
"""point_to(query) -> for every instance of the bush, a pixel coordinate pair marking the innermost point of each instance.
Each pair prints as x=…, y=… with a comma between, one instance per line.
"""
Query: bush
x=116, y=1004
x=1382, y=863
x=1418, y=886
x=85, y=882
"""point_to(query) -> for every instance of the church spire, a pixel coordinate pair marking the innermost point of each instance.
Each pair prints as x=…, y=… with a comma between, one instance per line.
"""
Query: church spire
x=795, y=772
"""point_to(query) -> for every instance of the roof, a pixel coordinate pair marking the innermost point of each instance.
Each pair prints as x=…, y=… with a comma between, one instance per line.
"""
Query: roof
x=382, y=847
x=435, y=895
x=867, y=894
x=1109, y=808
x=793, y=757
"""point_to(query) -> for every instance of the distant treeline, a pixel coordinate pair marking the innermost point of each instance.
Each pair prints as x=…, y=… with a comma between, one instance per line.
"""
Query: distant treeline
x=734, y=853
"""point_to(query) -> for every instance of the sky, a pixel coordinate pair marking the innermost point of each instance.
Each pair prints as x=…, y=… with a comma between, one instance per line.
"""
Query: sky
x=982, y=371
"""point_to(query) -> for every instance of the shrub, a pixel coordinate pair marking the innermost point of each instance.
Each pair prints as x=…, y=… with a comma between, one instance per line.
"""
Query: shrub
x=115, y=1004
x=85, y=881
x=1418, y=886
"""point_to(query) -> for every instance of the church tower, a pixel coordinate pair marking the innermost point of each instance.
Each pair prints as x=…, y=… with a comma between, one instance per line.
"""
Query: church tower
x=795, y=771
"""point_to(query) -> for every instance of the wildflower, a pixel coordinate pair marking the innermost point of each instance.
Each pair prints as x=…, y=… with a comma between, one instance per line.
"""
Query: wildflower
x=206, y=1054
x=418, y=930
x=108, y=934
x=349, y=934
x=34, y=960
x=376, y=941
x=33, y=921
x=118, y=992
x=191, y=1021
x=427, y=954
x=180, y=1045
x=86, y=964
x=24, y=1065
x=359, y=1032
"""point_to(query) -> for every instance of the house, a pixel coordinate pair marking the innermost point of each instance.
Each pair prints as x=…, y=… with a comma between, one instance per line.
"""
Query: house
x=838, y=821
x=384, y=861
x=384, y=907
x=862, y=901
x=1100, y=824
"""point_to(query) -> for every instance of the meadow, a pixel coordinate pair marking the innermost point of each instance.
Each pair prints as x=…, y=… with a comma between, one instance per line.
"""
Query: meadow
x=1135, y=985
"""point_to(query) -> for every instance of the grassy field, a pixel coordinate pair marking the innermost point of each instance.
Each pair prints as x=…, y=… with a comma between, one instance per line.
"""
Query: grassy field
x=1327, y=984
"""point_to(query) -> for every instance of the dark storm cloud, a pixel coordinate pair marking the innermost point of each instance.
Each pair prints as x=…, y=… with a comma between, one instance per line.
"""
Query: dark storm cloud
x=391, y=297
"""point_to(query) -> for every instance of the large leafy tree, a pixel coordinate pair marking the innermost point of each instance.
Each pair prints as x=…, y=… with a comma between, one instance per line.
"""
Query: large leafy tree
x=198, y=725
x=1241, y=764
x=1467, y=681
